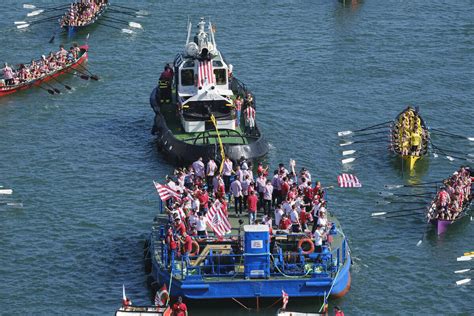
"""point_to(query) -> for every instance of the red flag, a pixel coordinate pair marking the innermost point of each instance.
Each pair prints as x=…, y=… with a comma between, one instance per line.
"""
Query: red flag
x=346, y=180
x=285, y=298
x=162, y=295
x=218, y=220
x=166, y=192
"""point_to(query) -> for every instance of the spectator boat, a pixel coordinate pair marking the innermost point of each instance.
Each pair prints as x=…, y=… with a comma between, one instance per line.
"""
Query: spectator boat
x=249, y=263
x=396, y=143
x=196, y=113
x=82, y=58
x=143, y=311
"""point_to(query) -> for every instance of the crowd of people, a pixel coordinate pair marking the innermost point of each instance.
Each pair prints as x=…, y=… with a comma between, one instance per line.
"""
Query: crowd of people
x=287, y=201
x=39, y=68
x=409, y=135
x=82, y=12
x=452, y=197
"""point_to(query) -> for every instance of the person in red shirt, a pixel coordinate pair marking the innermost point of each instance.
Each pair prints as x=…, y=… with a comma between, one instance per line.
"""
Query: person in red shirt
x=179, y=308
x=285, y=188
x=203, y=201
x=252, y=201
x=338, y=311
x=285, y=222
x=179, y=226
x=305, y=218
x=171, y=243
x=187, y=246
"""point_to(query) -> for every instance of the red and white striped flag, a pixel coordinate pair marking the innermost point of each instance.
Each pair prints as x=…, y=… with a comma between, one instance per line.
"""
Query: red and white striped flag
x=166, y=192
x=217, y=219
x=161, y=296
x=285, y=299
x=346, y=180
x=206, y=73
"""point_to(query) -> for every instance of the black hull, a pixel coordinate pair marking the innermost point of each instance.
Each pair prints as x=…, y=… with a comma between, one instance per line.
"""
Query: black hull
x=179, y=152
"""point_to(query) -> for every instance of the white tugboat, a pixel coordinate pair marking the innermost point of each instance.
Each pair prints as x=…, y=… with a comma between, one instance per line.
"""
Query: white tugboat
x=201, y=109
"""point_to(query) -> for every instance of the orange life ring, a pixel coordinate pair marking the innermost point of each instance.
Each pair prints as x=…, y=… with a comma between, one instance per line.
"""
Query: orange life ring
x=311, y=245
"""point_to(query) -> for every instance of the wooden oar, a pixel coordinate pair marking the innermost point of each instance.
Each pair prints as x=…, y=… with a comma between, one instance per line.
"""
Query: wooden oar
x=346, y=133
x=397, y=186
x=131, y=24
x=386, y=194
x=372, y=140
x=52, y=87
x=398, y=211
x=418, y=244
x=464, y=270
x=463, y=281
x=122, y=12
x=6, y=191
x=95, y=77
x=64, y=85
x=402, y=215
x=25, y=24
x=451, y=134
x=401, y=202
x=49, y=90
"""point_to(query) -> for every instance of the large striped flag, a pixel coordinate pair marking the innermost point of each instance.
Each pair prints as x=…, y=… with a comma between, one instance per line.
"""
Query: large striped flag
x=166, y=192
x=346, y=180
x=218, y=220
x=205, y=73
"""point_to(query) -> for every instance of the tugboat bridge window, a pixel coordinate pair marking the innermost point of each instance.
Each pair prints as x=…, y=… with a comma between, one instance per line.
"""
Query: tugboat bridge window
x=189, y=64
x=187, y=77
x=221, y=76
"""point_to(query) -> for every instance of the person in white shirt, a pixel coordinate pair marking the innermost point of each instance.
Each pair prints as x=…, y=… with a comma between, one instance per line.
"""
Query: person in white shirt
x=261, y=182
x=245, y=190
x=319, y=236
x=278, y=214
x=201, y=225
x=236, y=190
x=211, y=170
x=295, y=220
x=227, y=172
x=239, y=174
x=267, y=197
x=286, y=207
x=192, y=221
x=199, y=168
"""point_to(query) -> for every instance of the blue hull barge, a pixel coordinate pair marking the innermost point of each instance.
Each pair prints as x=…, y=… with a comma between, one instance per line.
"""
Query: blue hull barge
x=251, y=263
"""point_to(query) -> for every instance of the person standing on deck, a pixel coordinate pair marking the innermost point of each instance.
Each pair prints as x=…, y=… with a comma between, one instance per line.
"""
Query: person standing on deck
x=165, y=84
x=238, y=108
x=245, y=189
x=236, y=190
x=199, y=168
x=227, y=172
x=261, y=182
x=267, y=197
x=278, y=214
x=250, y=119
x=179, y=308
x=210, y=172
x=252, y=207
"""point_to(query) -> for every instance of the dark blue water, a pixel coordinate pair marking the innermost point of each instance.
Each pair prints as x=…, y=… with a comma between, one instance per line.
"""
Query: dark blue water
x=83, y=162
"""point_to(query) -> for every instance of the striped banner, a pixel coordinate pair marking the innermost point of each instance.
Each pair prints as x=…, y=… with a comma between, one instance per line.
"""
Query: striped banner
x=217, y=219
x=166, y=192
x=205, y=73
x=346, y=180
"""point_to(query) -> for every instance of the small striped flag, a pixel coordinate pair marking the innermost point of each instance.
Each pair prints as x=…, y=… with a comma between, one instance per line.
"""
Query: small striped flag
x=346, y=180
x=165, y=192
x=217, y=219
x=161, y=296
x=285, y=299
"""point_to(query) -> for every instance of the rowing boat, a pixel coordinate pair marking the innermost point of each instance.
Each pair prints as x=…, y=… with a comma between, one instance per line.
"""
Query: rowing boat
x=397, y=143
x=72, y=30
x=83, y=56
x=143, y=310
x=441, y=225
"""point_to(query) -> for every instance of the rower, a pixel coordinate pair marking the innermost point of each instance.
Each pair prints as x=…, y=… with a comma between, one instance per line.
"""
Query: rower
x=8, y=75
x=415, y=141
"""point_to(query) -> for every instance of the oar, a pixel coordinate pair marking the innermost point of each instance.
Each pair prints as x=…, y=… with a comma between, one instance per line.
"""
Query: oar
x=25, y=24
x=372, y=140
x=463, y=281
x=131, y=24
x=402, y=215
x=64, y=85
x=418, y=244
x=95, y=77
x=122, y=12
x=397, y=186
x=465, y=258
x=32, y=6
x=17, y=204
x=452, y=135
x=386, y=194
x=6, y=191
x=345, y=133
x=401, y=202
x=464, y=270
x=49, y=90
x=399, y=211
x=52, y=87
x=469, y=253
x=84, y=77
x=117, y=28
x=450, y=157
x=120, y=6
x=451, y=151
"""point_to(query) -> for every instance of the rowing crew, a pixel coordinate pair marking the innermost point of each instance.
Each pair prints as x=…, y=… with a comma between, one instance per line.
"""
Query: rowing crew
x=38, y=69
x=451, y=199
x=409, y=135
x=82, y=12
